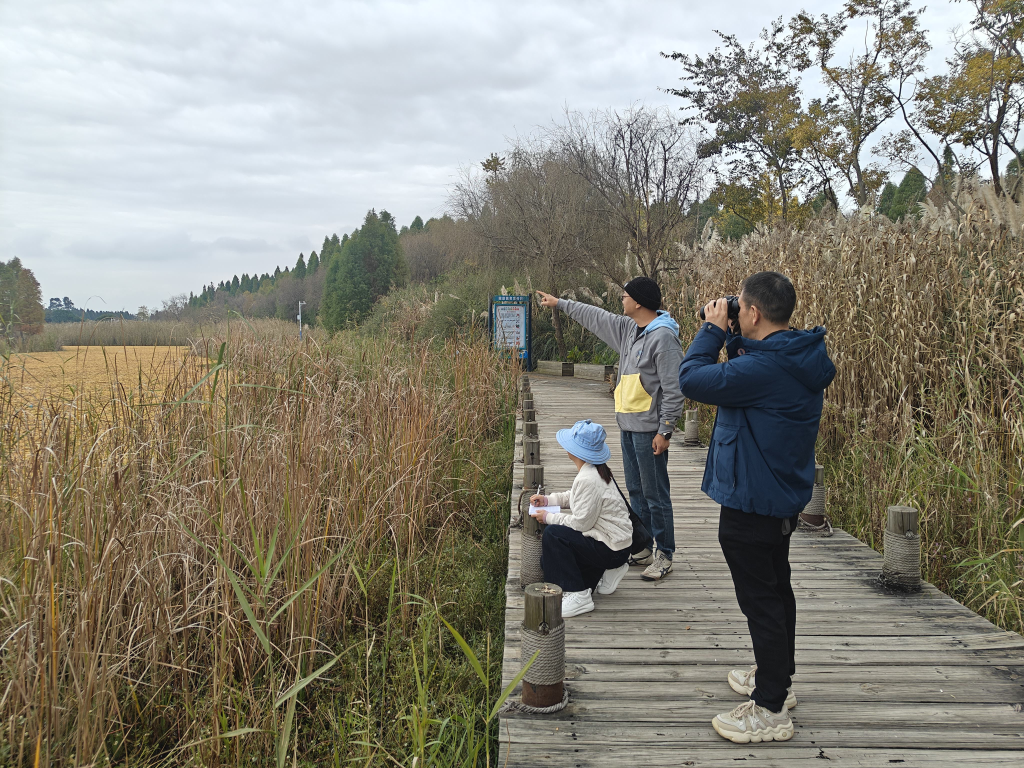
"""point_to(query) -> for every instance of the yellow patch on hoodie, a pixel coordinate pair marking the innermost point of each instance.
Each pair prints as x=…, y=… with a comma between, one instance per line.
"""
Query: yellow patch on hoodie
x=630, y=395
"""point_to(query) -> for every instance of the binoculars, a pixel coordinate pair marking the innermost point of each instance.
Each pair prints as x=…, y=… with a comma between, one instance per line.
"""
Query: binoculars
x=734, y=308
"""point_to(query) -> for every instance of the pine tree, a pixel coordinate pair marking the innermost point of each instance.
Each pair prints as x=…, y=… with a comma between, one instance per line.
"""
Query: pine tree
x=300, y=267
x=369, y=265
x=313, y=264
x=417, y=225
x=21, y=300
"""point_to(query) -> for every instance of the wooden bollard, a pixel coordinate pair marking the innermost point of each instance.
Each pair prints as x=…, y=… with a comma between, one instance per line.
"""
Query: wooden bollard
x=531, y=450
x=530, y=571
x=691, y=435
x=543, y=630
x=529, y=429
x=901, y=563
x=529, y=414
x=814, y=512
x=527, y=402
x=533, y=474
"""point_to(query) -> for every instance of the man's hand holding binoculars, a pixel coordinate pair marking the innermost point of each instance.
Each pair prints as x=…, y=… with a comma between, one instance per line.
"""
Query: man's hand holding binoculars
x=717, y=313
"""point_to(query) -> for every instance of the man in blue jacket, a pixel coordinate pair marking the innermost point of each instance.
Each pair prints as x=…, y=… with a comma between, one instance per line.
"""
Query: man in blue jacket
x=760, y=468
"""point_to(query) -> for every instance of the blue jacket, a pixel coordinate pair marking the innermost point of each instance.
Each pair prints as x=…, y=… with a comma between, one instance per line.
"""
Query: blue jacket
x=769, y=396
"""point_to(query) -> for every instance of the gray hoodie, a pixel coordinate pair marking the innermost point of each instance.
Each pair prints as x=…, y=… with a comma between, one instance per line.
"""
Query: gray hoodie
x=647, y=396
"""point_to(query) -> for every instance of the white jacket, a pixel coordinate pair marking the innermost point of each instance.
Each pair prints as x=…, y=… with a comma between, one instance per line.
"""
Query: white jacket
x=596, y=510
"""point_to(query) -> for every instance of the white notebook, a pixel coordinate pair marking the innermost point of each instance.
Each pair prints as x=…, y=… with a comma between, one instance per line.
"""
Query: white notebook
x=553, y=508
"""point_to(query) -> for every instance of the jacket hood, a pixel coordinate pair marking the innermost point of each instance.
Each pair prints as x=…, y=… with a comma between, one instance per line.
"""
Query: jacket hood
x=800, y=353
x=663, y=320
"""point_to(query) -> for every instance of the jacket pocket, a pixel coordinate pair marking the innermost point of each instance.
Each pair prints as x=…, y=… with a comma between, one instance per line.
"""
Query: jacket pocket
x=724, y=439
x=630, y=395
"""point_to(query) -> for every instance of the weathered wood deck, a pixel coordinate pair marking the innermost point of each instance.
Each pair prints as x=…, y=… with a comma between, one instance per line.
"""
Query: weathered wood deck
x=915, y=680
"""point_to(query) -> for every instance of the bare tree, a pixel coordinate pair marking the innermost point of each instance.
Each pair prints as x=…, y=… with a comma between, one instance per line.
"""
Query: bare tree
x=643, y=167
x=534, y=210
x=175, y=305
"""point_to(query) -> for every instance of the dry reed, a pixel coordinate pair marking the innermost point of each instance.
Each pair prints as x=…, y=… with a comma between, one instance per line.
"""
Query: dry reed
x=176, y=570
x=925, y=324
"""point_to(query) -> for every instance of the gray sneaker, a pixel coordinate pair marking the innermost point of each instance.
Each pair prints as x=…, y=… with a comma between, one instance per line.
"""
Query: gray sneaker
x=644, y=557
x=742, y=681
x=658, y=569
x=750, y=722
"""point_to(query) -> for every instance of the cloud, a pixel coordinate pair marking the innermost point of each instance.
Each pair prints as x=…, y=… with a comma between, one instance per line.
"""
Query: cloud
x=195, y=139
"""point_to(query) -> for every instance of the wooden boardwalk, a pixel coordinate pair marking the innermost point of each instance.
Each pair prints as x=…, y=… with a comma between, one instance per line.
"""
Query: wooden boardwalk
x=882, y=679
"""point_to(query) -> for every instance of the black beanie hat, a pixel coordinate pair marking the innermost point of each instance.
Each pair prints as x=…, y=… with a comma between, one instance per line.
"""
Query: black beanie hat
x=645, y=292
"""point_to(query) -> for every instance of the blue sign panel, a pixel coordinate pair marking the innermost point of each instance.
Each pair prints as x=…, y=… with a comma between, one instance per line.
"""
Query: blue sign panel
x=510, y=326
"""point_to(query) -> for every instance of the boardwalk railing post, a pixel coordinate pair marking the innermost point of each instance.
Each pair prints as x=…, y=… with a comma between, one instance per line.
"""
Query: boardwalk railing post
x=533, y=476
x=529, y=429
x=812, y=519
x=543, y=630
x=531, y=451
x=901, y=564
x=529, y=412
x=531, y=541
x=691, y=434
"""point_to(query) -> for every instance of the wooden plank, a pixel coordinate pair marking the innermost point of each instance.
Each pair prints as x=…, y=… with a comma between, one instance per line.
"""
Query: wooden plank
x=554, y=368
x=591, y=371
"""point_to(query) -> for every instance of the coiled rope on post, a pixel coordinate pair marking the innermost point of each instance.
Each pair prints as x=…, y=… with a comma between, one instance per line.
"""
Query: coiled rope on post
x=511, y=705
x=816, y=506
x=902, y=564
x=547, y=669
x=530, y=571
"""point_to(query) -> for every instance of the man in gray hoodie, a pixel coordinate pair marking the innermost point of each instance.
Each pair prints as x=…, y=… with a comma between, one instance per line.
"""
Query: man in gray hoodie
x=647, y=404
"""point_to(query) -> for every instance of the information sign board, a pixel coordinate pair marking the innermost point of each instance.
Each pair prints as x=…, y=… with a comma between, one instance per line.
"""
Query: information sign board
x=510, y=326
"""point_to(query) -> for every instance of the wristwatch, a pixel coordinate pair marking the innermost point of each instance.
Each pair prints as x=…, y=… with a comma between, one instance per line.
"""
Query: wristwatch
x=666, y=435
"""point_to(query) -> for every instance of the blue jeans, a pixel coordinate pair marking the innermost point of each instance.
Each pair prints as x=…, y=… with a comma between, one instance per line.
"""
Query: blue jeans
x=647, y=483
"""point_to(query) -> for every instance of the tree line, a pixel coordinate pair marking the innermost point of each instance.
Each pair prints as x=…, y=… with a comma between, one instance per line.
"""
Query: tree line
x=337, y=287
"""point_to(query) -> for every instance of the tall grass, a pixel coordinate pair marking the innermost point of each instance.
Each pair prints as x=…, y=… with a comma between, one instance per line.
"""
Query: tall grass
x=926, y=326
x=250, y=567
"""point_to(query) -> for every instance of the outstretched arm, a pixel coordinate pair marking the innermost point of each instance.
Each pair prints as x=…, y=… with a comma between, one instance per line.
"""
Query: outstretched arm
x=614, y=330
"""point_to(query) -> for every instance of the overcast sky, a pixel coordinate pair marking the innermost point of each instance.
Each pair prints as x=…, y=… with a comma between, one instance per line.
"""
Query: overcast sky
x=148, y=148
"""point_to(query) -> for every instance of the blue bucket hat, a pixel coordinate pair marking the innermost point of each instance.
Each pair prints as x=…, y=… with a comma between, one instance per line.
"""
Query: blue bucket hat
x=585, y=440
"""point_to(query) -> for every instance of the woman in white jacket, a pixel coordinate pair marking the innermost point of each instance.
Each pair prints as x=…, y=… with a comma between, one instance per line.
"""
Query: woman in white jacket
x=586, y=548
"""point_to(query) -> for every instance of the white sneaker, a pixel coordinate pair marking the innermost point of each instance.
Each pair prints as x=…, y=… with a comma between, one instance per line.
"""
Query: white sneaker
x=644, y=557
x=611, y=578
x=749, y=722
x=575, y=603
x=742, y=681
x=659, y=568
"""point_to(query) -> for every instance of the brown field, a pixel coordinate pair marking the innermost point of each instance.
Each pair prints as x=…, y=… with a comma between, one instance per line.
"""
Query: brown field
x=36, y=377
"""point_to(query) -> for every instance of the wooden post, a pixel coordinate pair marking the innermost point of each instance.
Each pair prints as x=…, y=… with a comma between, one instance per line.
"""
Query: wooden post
x=542, y=613
x=529, y=429
x=901, y=520
x=532, y=547
x=531, y=450
x=529, y=414
x=690, y=429
x=901, y=564
x=814, y=512
x=533, y=474
x=527, y=401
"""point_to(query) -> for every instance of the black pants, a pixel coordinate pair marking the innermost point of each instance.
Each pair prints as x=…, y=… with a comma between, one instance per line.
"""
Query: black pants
x=756, y=547
x=576, y=562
